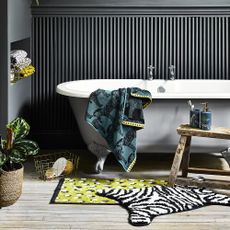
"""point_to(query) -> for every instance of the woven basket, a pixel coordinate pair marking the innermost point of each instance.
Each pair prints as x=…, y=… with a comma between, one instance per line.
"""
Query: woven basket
x=10, y=186
x=46, y=161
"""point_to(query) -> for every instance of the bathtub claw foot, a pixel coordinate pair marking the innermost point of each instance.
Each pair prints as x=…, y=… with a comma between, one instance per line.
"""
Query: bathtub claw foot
x=101, y=152
x=99, y=165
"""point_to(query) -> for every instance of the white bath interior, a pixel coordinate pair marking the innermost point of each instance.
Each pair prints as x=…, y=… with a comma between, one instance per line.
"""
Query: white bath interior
x=167, y=111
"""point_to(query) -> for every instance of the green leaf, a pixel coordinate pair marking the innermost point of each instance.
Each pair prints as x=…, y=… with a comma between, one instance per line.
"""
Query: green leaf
x=19, y=127
x=17, y=155
x=31, y=147
x=3, y=159
x=22, y=149
x=3, y=144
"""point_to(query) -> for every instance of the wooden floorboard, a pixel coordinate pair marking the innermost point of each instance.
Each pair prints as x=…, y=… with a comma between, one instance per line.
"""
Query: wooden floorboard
x=33, y=211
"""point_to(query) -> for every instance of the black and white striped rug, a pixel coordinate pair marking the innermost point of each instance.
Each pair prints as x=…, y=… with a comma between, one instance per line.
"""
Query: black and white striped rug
x=146, y=203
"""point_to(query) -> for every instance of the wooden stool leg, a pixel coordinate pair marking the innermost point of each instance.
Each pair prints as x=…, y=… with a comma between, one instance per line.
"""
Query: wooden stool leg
x=186, y=157
x=177, y=160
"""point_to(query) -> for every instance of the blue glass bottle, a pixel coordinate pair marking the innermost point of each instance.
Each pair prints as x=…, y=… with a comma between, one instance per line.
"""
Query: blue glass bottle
x=195, y=118
x=206, y=117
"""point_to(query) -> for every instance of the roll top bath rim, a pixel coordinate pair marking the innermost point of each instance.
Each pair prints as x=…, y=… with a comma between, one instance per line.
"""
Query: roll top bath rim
x=20, y=65
x=177, y=89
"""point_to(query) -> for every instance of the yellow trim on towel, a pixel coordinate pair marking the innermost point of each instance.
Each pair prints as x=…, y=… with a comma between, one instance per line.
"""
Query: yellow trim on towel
x=147, y=103
x=138, y=95
x=143, y=96
x=131, y=165
x=129, y=123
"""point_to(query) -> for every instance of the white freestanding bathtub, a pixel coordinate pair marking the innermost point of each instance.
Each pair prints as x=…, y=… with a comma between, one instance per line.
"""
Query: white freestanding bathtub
x=168, y=110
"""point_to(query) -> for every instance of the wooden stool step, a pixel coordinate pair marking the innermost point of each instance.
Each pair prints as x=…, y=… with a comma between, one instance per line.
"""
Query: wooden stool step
x=182, y=154
x=207, y=183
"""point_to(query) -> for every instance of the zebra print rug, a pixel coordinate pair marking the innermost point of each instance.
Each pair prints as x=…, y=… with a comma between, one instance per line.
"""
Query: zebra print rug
x=146, y=203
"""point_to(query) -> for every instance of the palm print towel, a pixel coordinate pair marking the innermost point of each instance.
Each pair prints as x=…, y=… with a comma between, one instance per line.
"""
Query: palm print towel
x=116, y=115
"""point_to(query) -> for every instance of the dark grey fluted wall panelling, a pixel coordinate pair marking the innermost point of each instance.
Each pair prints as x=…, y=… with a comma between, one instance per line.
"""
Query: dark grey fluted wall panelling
x=73, y=47
x=53, y=124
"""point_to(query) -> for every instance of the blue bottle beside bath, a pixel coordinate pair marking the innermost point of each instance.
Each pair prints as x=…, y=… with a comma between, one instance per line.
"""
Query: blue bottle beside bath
x=195, y=118
x=206, y=117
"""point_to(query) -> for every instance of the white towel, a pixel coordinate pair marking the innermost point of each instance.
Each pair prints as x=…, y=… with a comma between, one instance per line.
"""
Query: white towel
x=23, y=63
x=17, y=53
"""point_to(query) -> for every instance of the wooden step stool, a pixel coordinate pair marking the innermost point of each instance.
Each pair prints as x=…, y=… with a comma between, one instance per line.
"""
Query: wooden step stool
x=182, y=155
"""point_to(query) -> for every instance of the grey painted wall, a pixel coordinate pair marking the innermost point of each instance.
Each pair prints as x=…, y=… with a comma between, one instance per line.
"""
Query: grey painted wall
x=15, y=33
x=19, y=19
x=87, y=39
x=4, y=49
x=19, y=26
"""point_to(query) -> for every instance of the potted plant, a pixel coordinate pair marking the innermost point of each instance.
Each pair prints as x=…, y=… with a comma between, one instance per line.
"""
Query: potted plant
x=13, y=151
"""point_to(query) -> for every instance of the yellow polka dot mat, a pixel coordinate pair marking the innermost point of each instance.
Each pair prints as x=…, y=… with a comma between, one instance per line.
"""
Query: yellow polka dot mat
x=83, y=190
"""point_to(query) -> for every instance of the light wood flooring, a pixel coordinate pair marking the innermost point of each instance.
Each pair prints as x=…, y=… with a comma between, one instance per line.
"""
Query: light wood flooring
x=33, y=211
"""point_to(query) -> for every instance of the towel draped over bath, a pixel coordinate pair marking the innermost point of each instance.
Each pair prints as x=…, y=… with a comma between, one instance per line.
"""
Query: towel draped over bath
x=117, y=115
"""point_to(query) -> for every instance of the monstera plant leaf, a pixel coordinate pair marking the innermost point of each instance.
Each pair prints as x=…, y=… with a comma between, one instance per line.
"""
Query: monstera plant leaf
x=22, y=149
x=19, y=127
x=3, y=159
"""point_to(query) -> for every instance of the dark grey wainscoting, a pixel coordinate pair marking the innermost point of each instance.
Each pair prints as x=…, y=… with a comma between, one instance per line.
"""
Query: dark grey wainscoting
x=72, y=47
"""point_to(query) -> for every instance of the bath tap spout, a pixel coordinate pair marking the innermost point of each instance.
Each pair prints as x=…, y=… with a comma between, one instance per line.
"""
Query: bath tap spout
x=150, y=73
x=172, y=72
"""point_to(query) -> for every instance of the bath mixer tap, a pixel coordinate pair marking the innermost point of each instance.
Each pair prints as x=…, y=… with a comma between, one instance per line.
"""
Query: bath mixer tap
x=150, y=73
x=172, y=72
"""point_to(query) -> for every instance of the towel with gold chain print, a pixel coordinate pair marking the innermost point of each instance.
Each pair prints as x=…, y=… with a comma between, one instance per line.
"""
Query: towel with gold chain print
x=117, y=115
